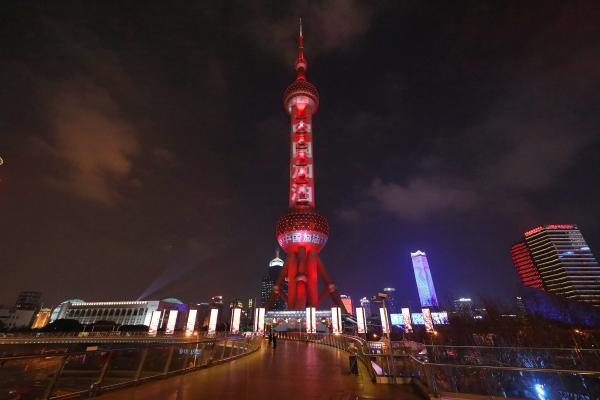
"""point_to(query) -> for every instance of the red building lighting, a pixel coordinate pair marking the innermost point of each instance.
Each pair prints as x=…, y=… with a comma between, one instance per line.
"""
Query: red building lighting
x=302, y=231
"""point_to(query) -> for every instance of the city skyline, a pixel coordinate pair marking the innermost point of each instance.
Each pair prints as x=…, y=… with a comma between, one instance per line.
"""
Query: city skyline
x=132, y=156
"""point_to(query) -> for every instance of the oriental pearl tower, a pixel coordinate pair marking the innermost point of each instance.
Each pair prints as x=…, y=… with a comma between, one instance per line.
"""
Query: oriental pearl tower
x=302, y=231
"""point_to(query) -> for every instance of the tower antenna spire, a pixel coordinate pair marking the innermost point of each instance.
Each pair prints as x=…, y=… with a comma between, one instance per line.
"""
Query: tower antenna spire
x=301, y=63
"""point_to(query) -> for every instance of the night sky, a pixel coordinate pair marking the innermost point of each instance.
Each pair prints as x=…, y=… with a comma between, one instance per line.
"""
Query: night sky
x=146, y=147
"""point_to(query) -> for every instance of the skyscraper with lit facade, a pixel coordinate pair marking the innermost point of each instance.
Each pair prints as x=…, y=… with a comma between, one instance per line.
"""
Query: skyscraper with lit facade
x=347, y=302
x=425, y=286
x=268, y=281
x=557, y=259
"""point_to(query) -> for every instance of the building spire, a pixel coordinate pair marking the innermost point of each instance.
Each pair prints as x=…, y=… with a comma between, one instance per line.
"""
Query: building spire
x=301, y=63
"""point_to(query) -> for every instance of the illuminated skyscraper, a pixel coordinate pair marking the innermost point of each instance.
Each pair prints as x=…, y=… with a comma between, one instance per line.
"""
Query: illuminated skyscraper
x=347, y=302
x=366, y=304
x=556, y=259
x=268, y=281
x=390, y=302
x=425, y=287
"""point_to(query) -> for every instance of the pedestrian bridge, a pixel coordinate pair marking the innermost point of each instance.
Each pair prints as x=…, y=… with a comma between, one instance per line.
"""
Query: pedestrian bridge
x=302, y=366
x=292, y=370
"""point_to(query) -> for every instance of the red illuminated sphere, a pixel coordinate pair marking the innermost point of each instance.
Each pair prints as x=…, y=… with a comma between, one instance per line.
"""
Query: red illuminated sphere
x=302, y=227
x=301, y=87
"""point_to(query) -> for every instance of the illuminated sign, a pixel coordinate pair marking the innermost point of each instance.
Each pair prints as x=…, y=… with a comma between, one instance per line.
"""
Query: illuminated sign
x=425, y=287
x=540, y=228
x=212, y=321
x=311, y=320
x=361, y=320
x=440, y=318
x=417, y=319
x=259, y=320
x=428, y=320
x=336, y=320
x=385, y=326
x=154, y=323
x=406, y=320
x=171, y=322
x=191, y=322
x=235, y=320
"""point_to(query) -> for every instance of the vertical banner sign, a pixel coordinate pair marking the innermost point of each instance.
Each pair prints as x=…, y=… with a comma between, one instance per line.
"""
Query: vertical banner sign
x=171, y=322
x=361, y=320
x=191, y=322
x=154, y=323
x=427, y=320
x=235, y=320
x=336, y=320
x=261, y=320
x=406, y=320
x=212, y=322
x=385, y=324
x=311, y=320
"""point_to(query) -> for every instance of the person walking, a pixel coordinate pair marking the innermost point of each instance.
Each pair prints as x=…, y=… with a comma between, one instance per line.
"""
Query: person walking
x=270, y=337
x=274, y=341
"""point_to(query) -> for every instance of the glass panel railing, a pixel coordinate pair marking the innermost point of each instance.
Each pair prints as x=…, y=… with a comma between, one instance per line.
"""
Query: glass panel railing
x=123, y=367
x=80, y=371
x=27, y=377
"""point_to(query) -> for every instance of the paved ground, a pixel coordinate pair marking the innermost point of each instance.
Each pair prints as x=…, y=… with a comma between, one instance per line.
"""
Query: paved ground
x=295, y=370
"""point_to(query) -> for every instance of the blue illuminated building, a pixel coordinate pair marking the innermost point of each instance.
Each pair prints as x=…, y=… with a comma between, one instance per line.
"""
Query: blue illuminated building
x=424, y=282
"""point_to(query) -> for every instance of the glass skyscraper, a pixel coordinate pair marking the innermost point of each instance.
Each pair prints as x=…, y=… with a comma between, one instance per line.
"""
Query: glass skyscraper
x=425, y=287
x=268, y=281
x=557, y=259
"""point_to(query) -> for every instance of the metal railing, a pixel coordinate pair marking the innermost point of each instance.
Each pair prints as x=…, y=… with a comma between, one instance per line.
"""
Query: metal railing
x=444, y=379
x=352, y=344
x=74, y=374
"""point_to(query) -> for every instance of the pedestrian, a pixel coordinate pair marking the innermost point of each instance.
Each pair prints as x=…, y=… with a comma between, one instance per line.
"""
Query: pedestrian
x=270, y=337
x=274, y=341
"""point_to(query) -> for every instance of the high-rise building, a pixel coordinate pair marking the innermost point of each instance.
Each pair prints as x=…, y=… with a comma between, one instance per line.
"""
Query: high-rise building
x=556, y=259
x=366, y=304
x=425, y=286
x=463, y=307
x=268, y=282
x=347, y=302
x=29, y=300
x=390, y=302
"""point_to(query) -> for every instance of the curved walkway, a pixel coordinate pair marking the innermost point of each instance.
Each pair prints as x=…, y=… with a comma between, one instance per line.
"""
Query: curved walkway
x=294, y=370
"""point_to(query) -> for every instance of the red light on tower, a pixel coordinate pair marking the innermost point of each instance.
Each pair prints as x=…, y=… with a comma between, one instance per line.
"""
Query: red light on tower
x=302, y=231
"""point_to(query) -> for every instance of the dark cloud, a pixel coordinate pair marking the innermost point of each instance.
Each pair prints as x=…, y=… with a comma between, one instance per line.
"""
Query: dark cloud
x=94, y=146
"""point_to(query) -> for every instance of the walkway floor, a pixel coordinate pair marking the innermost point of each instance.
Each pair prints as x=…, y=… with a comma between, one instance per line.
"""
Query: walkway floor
x=294, y=370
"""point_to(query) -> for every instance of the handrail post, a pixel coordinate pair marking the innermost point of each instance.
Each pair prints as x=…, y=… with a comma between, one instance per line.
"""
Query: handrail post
x=54, y=379
x=95, y=386
x=169, y=359
x=140, y=367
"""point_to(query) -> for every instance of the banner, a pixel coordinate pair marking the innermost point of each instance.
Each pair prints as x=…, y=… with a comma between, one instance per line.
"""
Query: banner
x=336, y=320
x=212, y=322
x=361, y=320
x=385, y=324
x=171, y=322
x=154, y=322
x=234, y=327
x=191, y=322
x=406, y=320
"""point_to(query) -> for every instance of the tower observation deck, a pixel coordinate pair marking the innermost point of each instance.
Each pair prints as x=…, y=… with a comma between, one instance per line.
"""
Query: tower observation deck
x=302, y=231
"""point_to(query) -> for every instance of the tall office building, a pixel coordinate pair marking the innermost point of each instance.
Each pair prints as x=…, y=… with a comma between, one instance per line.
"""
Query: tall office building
x=366, y=304
x=347, y=302
x=29, y=300
x=268, y=281
x=556, y=259
x=463, y=307
x=390, y=302
x=423, y=277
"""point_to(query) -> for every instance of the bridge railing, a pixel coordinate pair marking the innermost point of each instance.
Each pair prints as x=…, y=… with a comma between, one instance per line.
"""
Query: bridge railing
x=75, y=374
x=352, y=344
